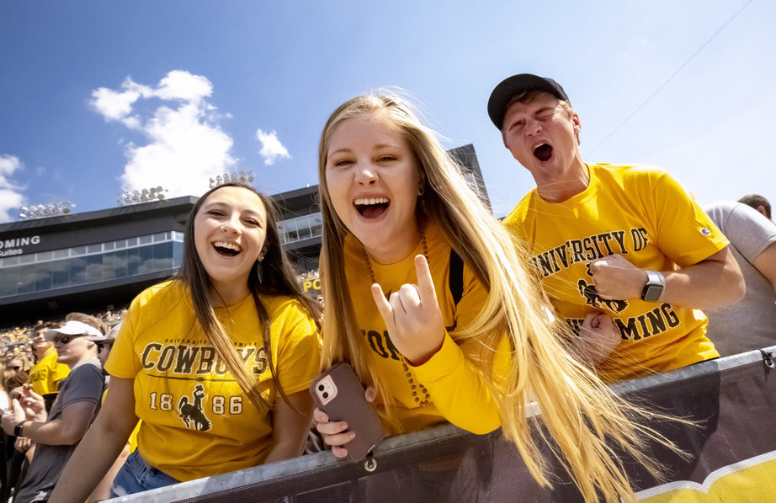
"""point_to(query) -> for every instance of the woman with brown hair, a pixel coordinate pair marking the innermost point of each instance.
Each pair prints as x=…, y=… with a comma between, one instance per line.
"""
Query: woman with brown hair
x=216, y=363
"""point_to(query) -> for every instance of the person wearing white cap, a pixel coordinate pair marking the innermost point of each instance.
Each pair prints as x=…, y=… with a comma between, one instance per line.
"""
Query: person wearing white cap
x=625, y=241
x=76, y=406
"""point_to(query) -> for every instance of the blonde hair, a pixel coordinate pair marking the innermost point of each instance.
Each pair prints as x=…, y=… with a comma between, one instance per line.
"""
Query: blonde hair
x=579, y=412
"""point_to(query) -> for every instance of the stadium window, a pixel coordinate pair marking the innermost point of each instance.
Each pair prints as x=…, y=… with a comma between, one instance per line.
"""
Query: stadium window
x=162, y=256
x=26, y=282
x=27, y=259
x=109, y=246
x=121, y=243
x=44, y=256
x=131, y=242
x=108, y=266
x=58, y=254
x=78, y=250
x=94, y=248
x=121, y=264
x=146, y=240
x=177, y=254
x=146, y=254
x=43, y=277
x=160, y=237
x=77, y=271
x=8, y=279
x=133, y=261
x=304, y=228
x=317, y=224
x=94, y=268
x=9, y=261
x=61, y=274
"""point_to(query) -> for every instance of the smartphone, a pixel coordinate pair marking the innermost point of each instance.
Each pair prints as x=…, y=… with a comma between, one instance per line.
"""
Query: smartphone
x=339, y=393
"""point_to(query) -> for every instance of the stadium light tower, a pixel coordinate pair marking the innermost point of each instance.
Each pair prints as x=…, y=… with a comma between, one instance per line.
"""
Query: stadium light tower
x=142, y=196
x=45, y=210
x=242, y=177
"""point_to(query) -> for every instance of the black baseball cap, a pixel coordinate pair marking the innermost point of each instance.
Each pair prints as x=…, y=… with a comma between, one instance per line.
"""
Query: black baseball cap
x=514, y=85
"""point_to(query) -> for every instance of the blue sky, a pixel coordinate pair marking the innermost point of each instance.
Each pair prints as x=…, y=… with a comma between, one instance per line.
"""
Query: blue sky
x=100, y=97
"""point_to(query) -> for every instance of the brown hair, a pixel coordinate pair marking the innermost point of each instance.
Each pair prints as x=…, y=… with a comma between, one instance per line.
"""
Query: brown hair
x=755, y=201
x=88, y=320
x=274, y=275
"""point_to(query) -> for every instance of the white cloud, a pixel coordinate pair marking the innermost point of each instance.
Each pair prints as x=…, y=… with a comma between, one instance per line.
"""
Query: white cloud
x=271, y=148
x=185, y=144
x=10, y=196
x=113, y=105
x=180, y=85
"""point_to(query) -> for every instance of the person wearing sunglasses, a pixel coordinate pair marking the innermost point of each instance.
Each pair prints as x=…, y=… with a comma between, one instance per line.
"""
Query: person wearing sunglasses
x=56, y=433
x=47, y=373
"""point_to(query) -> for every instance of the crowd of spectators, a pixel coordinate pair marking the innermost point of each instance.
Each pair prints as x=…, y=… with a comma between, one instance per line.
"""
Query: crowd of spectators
x=18, y=355
x=32, y=374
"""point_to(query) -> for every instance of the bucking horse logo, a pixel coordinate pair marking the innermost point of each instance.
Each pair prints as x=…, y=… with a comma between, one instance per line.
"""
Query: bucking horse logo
x=193, y=412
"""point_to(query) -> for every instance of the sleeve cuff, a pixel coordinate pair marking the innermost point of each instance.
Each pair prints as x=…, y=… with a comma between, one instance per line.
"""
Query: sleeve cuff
x=442, y=364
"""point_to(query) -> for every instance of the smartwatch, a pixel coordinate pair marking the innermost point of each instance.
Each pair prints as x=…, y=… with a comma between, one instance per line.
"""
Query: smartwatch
x=653, y=289
x=18, y=430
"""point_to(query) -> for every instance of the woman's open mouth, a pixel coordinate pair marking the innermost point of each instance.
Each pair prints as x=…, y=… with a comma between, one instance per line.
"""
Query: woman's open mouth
x=226, y=249
x=371, y=207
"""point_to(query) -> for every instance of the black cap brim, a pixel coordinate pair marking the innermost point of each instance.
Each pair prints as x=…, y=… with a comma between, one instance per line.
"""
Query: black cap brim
x=514, y=85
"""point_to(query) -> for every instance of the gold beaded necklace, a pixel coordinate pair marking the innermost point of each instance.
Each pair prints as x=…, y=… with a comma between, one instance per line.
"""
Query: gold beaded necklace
x=408, y=373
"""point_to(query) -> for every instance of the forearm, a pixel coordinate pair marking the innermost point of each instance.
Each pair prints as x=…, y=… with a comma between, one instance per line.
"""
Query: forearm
x=56, y=432
x=102, y=491
x=88, y=465
x=706, y=285
x=291, y=426
x=458, y=390
x=286, y=450
x=710, y=283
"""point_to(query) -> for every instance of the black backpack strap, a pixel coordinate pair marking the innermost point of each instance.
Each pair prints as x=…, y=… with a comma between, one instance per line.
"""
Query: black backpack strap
x=456, y=276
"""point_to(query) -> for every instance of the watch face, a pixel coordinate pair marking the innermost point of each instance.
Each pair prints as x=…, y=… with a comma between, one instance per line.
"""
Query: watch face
x=652, y=293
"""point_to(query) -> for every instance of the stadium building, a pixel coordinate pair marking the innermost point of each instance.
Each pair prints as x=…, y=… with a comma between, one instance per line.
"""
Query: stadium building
x=100, y=260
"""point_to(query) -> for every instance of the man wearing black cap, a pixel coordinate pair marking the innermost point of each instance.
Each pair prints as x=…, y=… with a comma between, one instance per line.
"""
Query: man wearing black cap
x=607, y=239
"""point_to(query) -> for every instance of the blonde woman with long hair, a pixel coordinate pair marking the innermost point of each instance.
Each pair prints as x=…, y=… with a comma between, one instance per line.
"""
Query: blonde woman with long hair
x=216, y=363
x=394, y=206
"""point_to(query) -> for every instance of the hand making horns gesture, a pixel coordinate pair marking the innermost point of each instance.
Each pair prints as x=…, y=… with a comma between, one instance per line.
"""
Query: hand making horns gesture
x=412, y=316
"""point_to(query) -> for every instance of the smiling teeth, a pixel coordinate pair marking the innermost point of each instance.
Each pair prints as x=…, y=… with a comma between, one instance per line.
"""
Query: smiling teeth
x=230, y=246
x=372, y=201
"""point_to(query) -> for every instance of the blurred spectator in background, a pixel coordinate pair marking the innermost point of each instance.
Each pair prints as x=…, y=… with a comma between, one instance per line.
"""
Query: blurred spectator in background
x=46, y=374
x=759, y=203
x=77, y=403
x=16, y=373
x=749, y=324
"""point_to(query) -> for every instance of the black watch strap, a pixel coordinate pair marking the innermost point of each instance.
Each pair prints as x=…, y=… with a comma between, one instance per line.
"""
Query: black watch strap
x=18, y=430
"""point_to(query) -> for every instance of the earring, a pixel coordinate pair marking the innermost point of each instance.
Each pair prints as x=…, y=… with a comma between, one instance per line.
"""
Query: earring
x=421, y=190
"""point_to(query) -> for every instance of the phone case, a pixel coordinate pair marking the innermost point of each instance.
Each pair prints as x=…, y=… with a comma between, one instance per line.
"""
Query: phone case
x=345, y=402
